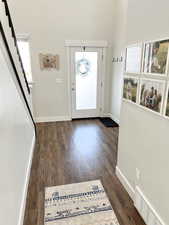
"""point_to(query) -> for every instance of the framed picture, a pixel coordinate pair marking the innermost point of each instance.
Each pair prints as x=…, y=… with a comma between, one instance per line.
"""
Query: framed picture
x=130, y=89
x=156, y=57
x=152, y=94
x=49, y=61
x=133, y=58
x=167, y=102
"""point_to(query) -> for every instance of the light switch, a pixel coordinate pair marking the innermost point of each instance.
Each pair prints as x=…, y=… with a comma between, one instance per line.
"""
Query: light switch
x=59, y=80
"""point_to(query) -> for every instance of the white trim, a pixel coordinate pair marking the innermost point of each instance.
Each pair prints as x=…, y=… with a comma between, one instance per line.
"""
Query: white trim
x=81, y=43
x=69, y=87
x=155, y=40
x=152, y=77
x=52, y=119
x=24, y=37
x=112, y=117
x=129, y=101
x=161, y=75
x=125, y=183
x=103, y=79
x=131, y=191
x=25, y=190
x=69, y=83
x=69, y=49
x=132, y=74
x=150, y=207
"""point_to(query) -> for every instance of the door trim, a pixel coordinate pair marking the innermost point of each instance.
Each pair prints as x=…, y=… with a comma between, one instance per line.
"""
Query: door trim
x=95, y=44
x=81, y=43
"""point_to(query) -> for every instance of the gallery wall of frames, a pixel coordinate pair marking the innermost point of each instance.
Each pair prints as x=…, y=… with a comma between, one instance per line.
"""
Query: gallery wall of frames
x=146, y=76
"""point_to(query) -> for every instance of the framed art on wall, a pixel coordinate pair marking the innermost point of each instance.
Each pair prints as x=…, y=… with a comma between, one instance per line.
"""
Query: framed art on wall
x=130, y=89
x=133, y=58
x=156, y=57
x=49, y=61
x=152, y=94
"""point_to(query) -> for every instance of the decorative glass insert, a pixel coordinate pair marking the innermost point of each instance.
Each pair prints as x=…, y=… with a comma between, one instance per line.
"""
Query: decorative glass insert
x=86, y=80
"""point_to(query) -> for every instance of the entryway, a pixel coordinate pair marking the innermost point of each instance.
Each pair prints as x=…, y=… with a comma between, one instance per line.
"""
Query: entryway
x=73, y=152
x=86, y=81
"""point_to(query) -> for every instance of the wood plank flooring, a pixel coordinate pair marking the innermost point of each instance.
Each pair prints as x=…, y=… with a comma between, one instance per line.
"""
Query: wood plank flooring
x=76, y=151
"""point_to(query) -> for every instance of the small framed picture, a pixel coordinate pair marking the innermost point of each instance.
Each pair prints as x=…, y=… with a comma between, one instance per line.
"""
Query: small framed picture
x=49, y=61
x=130, y=89
x=152, y=94
x=133, y=58
x=155, y=60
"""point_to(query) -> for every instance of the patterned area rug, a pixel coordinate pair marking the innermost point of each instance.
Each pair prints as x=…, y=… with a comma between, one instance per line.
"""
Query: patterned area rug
x=78, y=204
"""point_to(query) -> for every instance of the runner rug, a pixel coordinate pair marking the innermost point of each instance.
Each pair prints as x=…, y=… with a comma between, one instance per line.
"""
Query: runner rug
x=78, y=204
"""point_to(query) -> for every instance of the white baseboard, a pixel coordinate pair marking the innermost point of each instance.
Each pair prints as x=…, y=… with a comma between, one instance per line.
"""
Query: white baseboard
x=112, y=117
x=28, y=171
x=125, y=183
x=68, y=118
x=146, y=209
x=52, y=119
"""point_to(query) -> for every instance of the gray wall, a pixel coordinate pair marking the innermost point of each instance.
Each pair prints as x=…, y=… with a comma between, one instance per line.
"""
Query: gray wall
x=16, y=138
x=144, y=142
x=49, y=25
x=119, y=38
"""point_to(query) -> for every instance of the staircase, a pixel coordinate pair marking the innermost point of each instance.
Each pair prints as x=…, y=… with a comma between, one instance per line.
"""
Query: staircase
x=9, y=38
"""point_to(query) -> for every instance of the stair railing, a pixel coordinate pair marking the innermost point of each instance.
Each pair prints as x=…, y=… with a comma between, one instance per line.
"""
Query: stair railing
x=12, y=60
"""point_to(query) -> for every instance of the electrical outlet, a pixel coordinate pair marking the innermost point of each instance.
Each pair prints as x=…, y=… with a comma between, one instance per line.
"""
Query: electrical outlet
x=137, y=174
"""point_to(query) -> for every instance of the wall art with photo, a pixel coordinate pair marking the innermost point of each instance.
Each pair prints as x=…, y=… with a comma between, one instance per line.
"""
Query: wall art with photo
x=151, y=94
x=49, y=61
x=130, y=89
x=156, y=57
x=133, y=58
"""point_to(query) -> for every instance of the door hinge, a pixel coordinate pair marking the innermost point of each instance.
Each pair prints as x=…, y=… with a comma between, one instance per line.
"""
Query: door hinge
x=100, y=109
x=102, y=57
x=101, y=84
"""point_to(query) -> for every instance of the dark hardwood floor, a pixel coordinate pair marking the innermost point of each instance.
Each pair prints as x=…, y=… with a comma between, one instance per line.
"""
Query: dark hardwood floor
x=77, y=151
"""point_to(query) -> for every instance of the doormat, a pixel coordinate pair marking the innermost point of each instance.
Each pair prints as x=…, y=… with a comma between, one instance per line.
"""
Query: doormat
x=78, y=204
x=108, y=122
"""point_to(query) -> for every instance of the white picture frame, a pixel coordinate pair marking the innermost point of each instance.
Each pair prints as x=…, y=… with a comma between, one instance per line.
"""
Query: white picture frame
x=166, y=102
x=152, y=96
x=130, y=89
x=133, y=59
x=156, y=65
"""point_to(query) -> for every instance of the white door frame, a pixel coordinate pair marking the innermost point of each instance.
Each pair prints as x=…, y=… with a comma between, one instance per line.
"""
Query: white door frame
x=95, y=44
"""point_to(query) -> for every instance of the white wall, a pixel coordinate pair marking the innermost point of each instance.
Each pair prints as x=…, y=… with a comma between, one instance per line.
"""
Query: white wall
x=49, y=25
x=119, y=38
x=16, y=139
x=144, y=142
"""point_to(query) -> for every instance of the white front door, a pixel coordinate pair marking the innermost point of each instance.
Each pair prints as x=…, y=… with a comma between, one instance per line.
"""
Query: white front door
x=86, y=82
